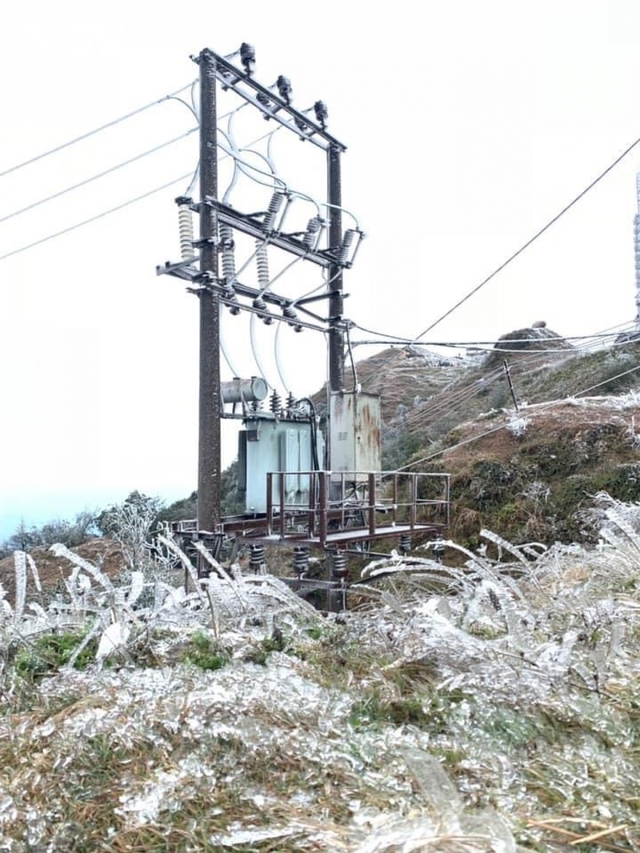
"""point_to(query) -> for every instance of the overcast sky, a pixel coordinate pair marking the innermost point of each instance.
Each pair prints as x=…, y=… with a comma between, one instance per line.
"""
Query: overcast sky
x=469, y=124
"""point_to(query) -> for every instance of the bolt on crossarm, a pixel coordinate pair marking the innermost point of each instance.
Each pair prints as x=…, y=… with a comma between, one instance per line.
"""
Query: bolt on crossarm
x=209, y=444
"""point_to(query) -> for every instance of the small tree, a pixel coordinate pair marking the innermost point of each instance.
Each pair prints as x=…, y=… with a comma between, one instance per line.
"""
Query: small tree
x=131, y=525
x=69, y=533
x=180, y=510
x=23, y=538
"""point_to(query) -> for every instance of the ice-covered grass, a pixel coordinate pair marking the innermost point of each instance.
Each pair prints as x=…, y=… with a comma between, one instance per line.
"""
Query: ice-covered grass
x=492, y=707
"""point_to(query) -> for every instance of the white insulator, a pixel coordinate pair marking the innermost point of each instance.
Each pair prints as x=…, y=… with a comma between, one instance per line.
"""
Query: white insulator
x=343, y=251
x=310, y=238
x=228, y=252
x=262, y=264
x=272, y=211
x=185, y=227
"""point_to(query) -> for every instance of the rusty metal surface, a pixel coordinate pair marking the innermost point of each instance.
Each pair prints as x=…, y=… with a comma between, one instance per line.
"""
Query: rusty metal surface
x=371, y=506
x=336, y=299
x=349, y=537
x=356, y=432
x=377, y=506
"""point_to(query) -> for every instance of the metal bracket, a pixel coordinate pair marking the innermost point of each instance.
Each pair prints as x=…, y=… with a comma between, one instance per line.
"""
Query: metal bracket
x=270, y=104
x=249, y=225
x=182, y=270
x=207, y=241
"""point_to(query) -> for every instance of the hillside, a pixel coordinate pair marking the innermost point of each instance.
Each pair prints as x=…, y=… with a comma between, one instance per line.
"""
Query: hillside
x=52, y=569
x=529, y=473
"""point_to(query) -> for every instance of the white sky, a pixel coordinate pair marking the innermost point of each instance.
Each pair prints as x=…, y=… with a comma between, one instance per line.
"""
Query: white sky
x=468, y=123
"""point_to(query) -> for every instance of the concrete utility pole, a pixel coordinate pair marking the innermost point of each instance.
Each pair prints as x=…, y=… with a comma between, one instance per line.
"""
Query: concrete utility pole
x=209, y=437
x=636, y=239
x=336, y=301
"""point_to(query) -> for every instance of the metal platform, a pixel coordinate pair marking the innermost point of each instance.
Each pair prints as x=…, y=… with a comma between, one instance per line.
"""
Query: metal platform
x=350, y=537
x=329, y=510
x=347, y=507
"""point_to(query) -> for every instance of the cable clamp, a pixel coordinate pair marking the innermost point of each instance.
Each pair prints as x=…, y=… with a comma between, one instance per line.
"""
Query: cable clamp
x=207, y=201
x=207, y=241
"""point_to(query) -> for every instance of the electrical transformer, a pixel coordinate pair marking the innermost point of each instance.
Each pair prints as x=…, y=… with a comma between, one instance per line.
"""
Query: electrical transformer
x=268, y=444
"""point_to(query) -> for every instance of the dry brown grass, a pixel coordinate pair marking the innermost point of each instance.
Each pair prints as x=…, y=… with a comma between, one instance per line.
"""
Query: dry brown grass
x=52, y=570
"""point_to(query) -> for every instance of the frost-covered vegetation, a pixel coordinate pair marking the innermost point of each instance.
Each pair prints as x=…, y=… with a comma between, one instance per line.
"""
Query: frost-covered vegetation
x=489, y=707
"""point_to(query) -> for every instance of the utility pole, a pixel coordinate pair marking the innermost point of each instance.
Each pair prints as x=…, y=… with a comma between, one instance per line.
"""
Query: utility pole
x=507, y=372
x=636, y=234
x=336, y=307
x=215, y=292
x=210, y=407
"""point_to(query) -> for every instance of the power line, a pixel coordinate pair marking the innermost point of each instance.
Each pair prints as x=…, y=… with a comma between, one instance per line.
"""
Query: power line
x=388, y=339
x=112, y=210
x=94, y=218
x=93, y=132
x=604, y=382
x=531, y=240
x=484, y=345
x=99, y=175
x=447, y=401
x=546, y=404
x=444, y=403
x=528, y=243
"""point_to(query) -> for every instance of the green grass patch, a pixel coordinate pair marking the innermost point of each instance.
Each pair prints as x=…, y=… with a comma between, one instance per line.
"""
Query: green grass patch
x=45, y=655
x=205, y=653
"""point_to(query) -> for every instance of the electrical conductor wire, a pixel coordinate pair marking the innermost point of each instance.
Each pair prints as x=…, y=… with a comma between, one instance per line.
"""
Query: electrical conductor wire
x=546, y=404
x=94, y=218
x=89, y=133
x=115, y=209
x=531, y=240
x=446, y=403
x=99, y=175
x=276, y=342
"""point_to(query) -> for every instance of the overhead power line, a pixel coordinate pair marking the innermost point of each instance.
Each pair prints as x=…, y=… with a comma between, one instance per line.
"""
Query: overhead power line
x=546, y=404
x=525, y=246
x=389, y=339
x=444, y=404
x=95, y=218
x=112, y=210
x=94, y=178
x=99, y=175
x=89, y=133
x=499, y=344
x=577, y=342
x=532, y=239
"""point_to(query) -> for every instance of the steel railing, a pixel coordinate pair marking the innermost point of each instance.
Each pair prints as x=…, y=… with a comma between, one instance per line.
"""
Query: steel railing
x=351, y=502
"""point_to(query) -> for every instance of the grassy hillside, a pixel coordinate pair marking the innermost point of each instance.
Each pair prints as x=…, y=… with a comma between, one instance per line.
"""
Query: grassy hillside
x=529, y=473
